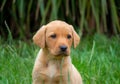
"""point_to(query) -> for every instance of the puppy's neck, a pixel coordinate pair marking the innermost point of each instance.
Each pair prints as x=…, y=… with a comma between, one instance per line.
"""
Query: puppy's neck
x=47, y=58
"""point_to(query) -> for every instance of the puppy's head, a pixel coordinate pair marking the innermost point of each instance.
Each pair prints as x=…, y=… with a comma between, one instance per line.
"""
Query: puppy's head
x=57, y=37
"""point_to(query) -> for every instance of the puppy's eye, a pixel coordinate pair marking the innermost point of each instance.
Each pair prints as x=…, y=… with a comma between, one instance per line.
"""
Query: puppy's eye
x=69, y=36
x=53, y=36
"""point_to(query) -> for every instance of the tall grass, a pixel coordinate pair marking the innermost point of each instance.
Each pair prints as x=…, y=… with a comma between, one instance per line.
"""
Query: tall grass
x=16, y=63
x=96, y=58
x=88, y=16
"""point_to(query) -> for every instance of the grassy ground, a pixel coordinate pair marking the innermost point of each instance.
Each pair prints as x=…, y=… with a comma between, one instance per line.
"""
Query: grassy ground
x=97, y=58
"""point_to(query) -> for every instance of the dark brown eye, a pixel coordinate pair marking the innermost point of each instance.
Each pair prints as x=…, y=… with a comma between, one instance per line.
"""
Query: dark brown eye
x=53, y=36
x=69, y=36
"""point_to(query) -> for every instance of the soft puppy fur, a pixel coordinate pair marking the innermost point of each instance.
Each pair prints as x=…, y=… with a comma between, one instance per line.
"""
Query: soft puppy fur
x=53, y=63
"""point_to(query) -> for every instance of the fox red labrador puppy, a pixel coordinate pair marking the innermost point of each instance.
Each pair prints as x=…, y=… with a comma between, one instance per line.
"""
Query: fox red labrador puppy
x=53, y=63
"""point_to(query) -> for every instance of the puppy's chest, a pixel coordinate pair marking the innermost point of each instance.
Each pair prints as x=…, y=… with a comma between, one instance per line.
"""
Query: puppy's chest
x=51, y=71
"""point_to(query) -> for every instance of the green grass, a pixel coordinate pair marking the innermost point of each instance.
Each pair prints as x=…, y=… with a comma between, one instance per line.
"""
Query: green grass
x=97, y=58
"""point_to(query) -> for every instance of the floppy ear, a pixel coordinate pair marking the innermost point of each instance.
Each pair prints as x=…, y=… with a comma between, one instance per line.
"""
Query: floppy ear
x=76, y=38
x=39, y=37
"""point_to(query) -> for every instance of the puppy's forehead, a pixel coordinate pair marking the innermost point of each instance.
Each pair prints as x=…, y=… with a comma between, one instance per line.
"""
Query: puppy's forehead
x=58, y=27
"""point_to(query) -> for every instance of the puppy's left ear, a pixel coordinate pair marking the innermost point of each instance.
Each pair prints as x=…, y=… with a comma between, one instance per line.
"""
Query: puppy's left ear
x=76, y=38
x=39, y=37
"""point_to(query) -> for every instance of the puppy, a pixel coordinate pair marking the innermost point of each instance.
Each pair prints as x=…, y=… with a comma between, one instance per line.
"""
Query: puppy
x=53, y=63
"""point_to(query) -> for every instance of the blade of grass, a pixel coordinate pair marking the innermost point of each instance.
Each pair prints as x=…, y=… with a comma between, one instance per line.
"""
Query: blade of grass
x=10, y=38
x=104, y=12
x=45, y=13
x=54, y=10
x=92, y=52
x=14, y=16
x=67, y=7
x=82, y=9
x=21, y=8
x=3, y=4
x=21, y=11
x=61, y=66
x=114, y=16
x=95, y=10
x=37, y=12
x=68, y=77
x=41, y=5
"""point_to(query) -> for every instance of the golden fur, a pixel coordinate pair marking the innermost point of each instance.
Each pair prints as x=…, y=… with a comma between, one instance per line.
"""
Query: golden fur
x=53, y=65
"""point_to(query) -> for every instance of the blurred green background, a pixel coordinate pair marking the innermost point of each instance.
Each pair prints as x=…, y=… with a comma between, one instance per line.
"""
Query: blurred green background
x=23, y=17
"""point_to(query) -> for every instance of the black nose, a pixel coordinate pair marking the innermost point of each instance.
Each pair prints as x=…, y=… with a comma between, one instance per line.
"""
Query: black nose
x=63, y=48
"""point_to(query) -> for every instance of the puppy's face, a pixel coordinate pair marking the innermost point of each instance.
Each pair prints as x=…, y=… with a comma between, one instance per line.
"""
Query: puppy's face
x=57, y=37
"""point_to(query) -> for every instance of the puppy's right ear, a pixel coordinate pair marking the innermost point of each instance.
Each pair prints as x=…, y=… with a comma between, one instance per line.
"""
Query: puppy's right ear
x=39, y=37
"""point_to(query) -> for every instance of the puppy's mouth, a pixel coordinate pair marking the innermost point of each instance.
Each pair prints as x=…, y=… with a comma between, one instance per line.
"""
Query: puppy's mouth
x=62, y=54
x=59, y=53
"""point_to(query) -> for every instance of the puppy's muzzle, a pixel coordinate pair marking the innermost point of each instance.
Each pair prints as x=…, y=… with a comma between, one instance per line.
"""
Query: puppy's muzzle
x=63, y=50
